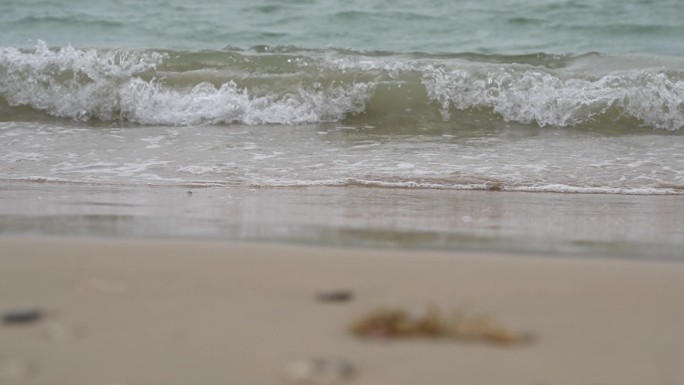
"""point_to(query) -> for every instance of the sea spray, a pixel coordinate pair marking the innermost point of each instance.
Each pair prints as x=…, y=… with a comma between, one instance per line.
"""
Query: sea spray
x=294, y=86
x=550, y=97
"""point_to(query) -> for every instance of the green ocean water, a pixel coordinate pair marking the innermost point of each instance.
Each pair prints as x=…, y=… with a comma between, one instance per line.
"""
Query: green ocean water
x=432, y=26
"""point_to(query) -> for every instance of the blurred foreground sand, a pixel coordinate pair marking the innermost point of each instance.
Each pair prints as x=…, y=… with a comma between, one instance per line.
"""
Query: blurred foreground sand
x=165, y=313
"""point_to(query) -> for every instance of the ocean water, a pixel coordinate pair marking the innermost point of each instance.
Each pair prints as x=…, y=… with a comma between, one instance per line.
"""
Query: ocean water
x=512, y=95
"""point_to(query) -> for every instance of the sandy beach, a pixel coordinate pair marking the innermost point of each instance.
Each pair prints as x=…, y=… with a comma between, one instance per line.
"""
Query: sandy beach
x=341, y=193
x=130, y=312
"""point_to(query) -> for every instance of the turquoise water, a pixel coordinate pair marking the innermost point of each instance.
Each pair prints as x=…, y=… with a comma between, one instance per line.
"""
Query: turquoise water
x=432, y=26
x=512, y=95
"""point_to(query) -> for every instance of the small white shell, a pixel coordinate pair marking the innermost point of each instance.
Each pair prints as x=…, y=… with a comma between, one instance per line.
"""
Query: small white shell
x=16, y=369
x=320, y=371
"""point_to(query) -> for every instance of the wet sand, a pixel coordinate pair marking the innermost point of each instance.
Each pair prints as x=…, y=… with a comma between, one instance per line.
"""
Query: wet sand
x=578, y=225
x=133, y=312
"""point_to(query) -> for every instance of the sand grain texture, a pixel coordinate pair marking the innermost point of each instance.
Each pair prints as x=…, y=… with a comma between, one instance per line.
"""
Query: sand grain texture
x=148, y=313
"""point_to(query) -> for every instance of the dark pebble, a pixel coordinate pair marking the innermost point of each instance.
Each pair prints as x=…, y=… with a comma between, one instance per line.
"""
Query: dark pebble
x=22, y=316
x=334, y=296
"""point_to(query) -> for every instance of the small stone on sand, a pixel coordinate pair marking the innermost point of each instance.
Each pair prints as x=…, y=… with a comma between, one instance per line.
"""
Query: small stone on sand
x=334, y=296
x=22, y=316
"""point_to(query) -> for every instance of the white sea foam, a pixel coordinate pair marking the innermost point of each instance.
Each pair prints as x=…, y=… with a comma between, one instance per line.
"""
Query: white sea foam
x=129, y=86
x=548, y=188
x=69, y=82
x=16, y=156
x=138, y=169
x=263, y=181
x=152, y=103
x=113, y=85
x=528, y=95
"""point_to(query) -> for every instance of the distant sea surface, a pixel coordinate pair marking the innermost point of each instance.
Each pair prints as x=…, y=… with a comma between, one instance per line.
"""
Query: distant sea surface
x=508, y=95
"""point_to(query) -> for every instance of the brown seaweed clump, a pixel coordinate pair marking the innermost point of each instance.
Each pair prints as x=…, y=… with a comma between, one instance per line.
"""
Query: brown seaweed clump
x=393, y=323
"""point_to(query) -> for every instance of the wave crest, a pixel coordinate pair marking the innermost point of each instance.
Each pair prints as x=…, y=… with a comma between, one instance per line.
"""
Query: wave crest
x=71, y=83
x=224, y=87
x=527, y=95
x=152, y=103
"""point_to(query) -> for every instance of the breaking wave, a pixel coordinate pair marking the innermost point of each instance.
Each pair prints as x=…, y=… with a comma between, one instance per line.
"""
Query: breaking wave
x=287, y=85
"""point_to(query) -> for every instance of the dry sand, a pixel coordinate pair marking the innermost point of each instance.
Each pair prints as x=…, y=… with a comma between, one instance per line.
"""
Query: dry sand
x=165, y=313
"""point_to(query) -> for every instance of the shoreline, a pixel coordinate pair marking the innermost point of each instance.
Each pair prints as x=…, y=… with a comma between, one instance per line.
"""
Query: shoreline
x=623, y=226
x=141, y=312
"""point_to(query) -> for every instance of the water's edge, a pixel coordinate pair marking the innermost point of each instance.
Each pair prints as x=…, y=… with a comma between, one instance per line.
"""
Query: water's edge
x=584, y=225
